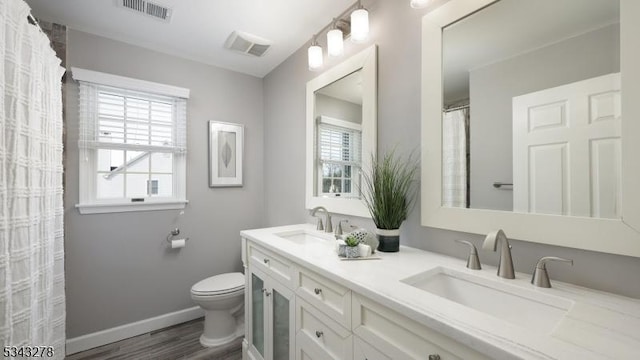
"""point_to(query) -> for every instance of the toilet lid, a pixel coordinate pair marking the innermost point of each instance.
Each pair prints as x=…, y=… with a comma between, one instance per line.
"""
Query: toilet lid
x=220, y=284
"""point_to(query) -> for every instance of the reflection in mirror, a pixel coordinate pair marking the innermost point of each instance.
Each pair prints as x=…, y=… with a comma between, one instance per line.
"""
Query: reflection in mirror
x=531, y=114
x=341, y=133
x=338, y=114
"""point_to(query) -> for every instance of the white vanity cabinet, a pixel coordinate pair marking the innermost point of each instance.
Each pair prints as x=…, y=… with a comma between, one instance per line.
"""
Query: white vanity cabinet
x=296, y=313
x=270, y=308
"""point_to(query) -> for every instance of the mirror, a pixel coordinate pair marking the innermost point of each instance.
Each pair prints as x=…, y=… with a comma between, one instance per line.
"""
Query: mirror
x=531, y=112
x=522, y=121
x=341, y=133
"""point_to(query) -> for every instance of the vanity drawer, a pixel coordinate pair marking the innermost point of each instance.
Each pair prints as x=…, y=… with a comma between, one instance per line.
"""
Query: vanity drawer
x=364, y=351
x=333, y=299
x=272, y=264
x=399, y=337
x=318, y=334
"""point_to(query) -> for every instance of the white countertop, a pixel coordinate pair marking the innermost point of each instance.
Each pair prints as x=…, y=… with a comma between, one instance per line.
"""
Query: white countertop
x=598, y=325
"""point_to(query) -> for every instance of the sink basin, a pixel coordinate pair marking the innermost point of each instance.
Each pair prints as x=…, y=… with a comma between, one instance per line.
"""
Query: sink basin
x=303, y=236
x=526, y=308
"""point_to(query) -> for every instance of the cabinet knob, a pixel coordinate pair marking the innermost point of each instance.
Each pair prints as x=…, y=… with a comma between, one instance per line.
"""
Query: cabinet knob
x=268, y=293
x=266, y=261
x=434, y=357
x=317, y=291
x=319, y=333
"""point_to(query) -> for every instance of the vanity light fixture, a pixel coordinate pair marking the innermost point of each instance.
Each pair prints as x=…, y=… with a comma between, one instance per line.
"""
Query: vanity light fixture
x=335, y=41
x=359, y=24
x=419, y=4
x=355, y=25
x=315, y=55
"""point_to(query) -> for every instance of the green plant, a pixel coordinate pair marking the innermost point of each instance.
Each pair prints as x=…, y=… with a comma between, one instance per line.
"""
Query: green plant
x=351, y=241
x=388, y=189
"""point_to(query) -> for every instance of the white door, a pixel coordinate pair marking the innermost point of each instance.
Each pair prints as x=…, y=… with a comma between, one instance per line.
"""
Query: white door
x=566, y=149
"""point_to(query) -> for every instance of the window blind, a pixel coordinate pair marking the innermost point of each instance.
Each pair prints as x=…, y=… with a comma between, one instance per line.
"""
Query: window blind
x=114, y=118
x=339, y=145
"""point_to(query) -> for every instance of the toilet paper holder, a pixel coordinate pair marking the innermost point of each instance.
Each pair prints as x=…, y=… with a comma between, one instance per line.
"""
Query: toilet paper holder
x=174, y=232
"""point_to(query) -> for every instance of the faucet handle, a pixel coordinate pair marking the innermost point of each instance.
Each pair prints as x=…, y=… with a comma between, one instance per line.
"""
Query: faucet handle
x=338, y=230
x=473, y=261
x=319, y=225
x=328, y=227
x=540, y=276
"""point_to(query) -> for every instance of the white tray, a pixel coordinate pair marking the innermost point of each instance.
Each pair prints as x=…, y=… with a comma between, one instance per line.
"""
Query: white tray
x=372, y=257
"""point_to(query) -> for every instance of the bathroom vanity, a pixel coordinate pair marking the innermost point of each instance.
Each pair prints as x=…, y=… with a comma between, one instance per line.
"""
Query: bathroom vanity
x=303, y=302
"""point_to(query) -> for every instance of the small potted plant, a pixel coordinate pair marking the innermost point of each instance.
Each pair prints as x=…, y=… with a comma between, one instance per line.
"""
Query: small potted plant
x=351, y=250
x=389, y=195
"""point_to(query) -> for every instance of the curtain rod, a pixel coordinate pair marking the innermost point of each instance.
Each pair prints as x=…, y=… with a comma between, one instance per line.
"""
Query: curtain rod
x=32, y=20
x=456, y=108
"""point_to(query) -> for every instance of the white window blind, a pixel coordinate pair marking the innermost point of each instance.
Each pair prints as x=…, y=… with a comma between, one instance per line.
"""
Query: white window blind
x=339, y=145
x=113, y=118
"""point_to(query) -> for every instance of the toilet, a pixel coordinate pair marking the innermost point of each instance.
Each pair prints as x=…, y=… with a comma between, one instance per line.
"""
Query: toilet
x=222, y=298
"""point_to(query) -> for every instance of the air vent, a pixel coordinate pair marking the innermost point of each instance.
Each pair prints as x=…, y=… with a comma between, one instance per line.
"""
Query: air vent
x=148, y=8
x=247, y=44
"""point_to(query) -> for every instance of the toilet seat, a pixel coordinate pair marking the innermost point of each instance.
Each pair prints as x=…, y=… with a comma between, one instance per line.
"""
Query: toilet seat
x=222, y=284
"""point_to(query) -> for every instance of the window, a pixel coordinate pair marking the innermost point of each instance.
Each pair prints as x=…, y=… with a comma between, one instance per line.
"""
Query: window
x=340, y=157
x=132, y=143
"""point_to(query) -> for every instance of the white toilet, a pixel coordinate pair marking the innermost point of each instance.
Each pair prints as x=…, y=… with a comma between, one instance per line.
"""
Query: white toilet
x=222, y=298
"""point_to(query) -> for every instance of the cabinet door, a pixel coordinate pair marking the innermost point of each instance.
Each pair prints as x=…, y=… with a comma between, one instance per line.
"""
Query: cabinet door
x=272, y=318
x=282, y=322
x=257, y=315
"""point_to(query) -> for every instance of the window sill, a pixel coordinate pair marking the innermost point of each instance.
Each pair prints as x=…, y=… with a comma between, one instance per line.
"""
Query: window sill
x=128, y=207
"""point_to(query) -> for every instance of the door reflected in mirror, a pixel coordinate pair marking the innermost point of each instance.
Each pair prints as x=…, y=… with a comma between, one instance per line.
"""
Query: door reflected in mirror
x=338, y=129
x=531, y=117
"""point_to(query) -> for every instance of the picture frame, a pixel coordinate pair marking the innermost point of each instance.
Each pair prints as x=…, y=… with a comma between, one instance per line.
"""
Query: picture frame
x=226, y=153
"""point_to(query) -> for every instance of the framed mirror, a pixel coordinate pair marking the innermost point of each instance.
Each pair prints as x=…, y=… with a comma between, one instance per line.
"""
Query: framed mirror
x=528, y=124
x=341, y=133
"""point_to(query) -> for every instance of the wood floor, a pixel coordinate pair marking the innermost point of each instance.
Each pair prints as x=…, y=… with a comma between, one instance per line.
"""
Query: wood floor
x=176, y=342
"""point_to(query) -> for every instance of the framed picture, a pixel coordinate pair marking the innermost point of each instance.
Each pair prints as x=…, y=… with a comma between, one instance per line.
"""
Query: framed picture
x=226, y=142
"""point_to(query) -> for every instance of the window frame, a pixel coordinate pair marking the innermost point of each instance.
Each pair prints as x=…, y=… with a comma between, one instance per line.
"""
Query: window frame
x=88, y=156
x=356, y=165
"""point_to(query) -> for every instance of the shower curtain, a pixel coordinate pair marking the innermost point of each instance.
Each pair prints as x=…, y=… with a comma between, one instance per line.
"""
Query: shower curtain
x=32, y=298
x=454, y=158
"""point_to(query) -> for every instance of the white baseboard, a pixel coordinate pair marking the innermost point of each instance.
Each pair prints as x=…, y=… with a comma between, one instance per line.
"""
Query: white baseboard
x=122, y=332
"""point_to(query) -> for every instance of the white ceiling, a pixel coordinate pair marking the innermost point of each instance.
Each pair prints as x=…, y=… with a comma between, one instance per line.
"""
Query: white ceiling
x=513, y=27
x=349, y=88
x=199, y=28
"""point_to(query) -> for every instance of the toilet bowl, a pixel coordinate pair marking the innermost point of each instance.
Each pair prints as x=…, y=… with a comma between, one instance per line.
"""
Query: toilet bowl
x=222, y=299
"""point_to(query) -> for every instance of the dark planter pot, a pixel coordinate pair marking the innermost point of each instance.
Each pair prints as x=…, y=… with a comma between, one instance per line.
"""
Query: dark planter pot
x=388, y=240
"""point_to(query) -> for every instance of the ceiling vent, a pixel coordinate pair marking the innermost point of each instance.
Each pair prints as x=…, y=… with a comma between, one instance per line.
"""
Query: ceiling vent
x=247, y=44
x=148, y=8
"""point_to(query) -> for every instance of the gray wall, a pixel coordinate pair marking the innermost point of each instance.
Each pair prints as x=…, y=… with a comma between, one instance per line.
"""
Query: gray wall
x=492, y=88
x=338, y=109
x=396, y=29
x=118, y=267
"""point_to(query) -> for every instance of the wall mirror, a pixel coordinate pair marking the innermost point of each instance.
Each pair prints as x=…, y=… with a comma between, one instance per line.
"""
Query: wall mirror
x=341, y=133
x=526, y=121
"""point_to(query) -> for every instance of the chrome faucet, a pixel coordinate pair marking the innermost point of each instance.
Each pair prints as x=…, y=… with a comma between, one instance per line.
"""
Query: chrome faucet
x=327, y=227
x=540, y=276
x=505, y=265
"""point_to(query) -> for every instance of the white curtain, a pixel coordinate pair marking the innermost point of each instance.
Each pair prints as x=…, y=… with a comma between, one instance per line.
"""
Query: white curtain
x=32, y=301
x=454, y=158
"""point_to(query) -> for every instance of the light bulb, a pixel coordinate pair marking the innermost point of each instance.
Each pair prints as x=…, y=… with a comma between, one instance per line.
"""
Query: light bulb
x=335, y=43
x=359, y=25
x=315, y=57
x=418, y=4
